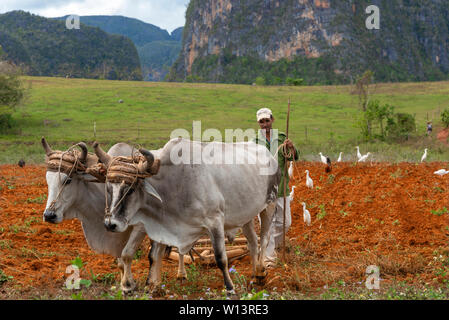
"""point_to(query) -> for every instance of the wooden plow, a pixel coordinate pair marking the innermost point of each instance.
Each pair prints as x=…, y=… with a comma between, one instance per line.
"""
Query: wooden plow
x=203, y=252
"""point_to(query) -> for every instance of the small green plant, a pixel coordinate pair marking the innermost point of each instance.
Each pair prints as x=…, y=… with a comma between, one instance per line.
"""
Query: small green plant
x=254, y=295
x=5, y=244
x=330, y=179
x=77, y=296
x=4, y=277
x=14, y=228
x=192, y=272
x=32, y=220
x=39, y=199
x=395, y=222
x=138, y=254
x=239, y=279
x=344, y=213
x=439, y=212
x=322, y=213
x=108, y=278
x=438, y=189
x=77, y=262
x=85, y=282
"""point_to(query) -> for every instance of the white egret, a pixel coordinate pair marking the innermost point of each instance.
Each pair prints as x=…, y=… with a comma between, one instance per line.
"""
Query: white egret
x=290, y=169
x=359, y=155
x=323, y=158
x=363, y=158
x=424, y=156
x=306, y=214
x=339, y=157
x=292, y=193
x=441, y=172
x=309, y=181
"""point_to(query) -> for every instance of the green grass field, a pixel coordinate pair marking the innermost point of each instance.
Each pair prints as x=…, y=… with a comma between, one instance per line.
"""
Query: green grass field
x=322, y=118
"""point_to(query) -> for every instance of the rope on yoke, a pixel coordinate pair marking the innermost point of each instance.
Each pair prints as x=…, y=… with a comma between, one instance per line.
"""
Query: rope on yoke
x=125, y=170
x=73, y=158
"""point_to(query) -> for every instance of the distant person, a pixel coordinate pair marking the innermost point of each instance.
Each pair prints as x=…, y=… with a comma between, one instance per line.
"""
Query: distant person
x=265, y=119
x=429, y=128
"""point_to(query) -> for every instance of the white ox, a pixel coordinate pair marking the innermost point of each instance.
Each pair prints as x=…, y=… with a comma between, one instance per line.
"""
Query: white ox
x=85, y=201
x=185, y=201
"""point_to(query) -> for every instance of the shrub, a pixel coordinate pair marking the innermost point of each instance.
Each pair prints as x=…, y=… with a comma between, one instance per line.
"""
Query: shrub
x=11, y=93
x=294, y=82
x=260, y=81
x=402, y=127
x=445, y=117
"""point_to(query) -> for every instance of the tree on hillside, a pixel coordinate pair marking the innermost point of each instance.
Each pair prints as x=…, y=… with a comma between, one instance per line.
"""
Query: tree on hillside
x=11, y=92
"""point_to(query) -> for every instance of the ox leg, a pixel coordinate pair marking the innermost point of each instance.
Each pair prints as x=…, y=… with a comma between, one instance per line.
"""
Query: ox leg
x=121, y=267
x=218, y=243
x=182, y=274
x=266, y=217
x=155, y=258
x=127, y=282
x=251, y=236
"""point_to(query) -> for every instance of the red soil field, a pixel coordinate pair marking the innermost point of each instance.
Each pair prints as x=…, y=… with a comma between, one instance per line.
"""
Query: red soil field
x=394, y=216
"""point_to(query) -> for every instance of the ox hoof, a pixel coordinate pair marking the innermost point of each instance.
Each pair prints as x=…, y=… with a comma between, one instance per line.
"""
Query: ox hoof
x=128, y=288
x=261, y=277
x=181, y=277
x=156, y=290
x=232, y=295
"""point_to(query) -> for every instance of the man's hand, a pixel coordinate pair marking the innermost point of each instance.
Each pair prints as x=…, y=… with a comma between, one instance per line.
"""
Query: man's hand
x=289, y=144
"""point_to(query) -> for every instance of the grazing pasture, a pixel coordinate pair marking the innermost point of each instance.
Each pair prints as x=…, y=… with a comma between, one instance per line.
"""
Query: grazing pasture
x=322, y=117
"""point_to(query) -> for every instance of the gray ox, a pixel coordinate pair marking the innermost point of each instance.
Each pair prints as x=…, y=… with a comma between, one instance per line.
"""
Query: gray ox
x=184, y=201
x=85, y=201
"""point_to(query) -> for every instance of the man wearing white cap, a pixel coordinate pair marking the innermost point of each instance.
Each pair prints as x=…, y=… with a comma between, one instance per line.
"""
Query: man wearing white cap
x=272, y=141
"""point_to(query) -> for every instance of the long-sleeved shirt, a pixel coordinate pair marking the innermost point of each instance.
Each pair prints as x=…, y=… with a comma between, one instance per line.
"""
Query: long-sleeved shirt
x=272, y=146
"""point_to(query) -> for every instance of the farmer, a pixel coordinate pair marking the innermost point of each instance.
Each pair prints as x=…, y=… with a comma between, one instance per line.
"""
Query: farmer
x=272, y=142
x=429, y=128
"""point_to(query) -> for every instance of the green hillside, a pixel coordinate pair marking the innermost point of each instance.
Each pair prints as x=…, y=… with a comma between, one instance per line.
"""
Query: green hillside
x=157, y=48
x=138, y=31
x=45, y=47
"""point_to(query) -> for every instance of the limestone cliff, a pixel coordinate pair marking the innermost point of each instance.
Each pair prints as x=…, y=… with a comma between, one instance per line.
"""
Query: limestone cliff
x=322, y=41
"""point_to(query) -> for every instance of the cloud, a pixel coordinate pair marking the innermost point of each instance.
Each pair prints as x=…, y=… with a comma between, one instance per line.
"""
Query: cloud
x=166, y=14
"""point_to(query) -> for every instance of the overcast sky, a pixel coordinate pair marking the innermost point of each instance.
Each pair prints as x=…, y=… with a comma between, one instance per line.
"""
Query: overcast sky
x=166, y=14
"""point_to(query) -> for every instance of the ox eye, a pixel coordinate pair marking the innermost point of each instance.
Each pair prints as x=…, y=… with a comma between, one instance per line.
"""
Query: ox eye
x=68, y=180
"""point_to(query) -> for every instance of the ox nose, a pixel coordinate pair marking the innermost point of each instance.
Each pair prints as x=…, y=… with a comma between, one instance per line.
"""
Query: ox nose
x=110, y=226
x=49, y=216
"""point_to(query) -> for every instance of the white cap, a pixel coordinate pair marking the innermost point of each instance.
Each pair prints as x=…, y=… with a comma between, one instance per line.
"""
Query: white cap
x=264, y=113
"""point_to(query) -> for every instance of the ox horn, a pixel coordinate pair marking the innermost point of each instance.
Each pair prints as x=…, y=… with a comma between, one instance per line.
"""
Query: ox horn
x=46, y=147
x=102, y=156
x=150, y=160
x=83, y=148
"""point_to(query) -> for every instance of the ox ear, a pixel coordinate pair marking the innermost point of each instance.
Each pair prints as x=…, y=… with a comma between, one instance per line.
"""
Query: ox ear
x=150, y=190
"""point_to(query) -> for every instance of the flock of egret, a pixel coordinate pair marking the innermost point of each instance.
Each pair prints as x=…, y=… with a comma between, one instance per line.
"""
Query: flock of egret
x=326, y=160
